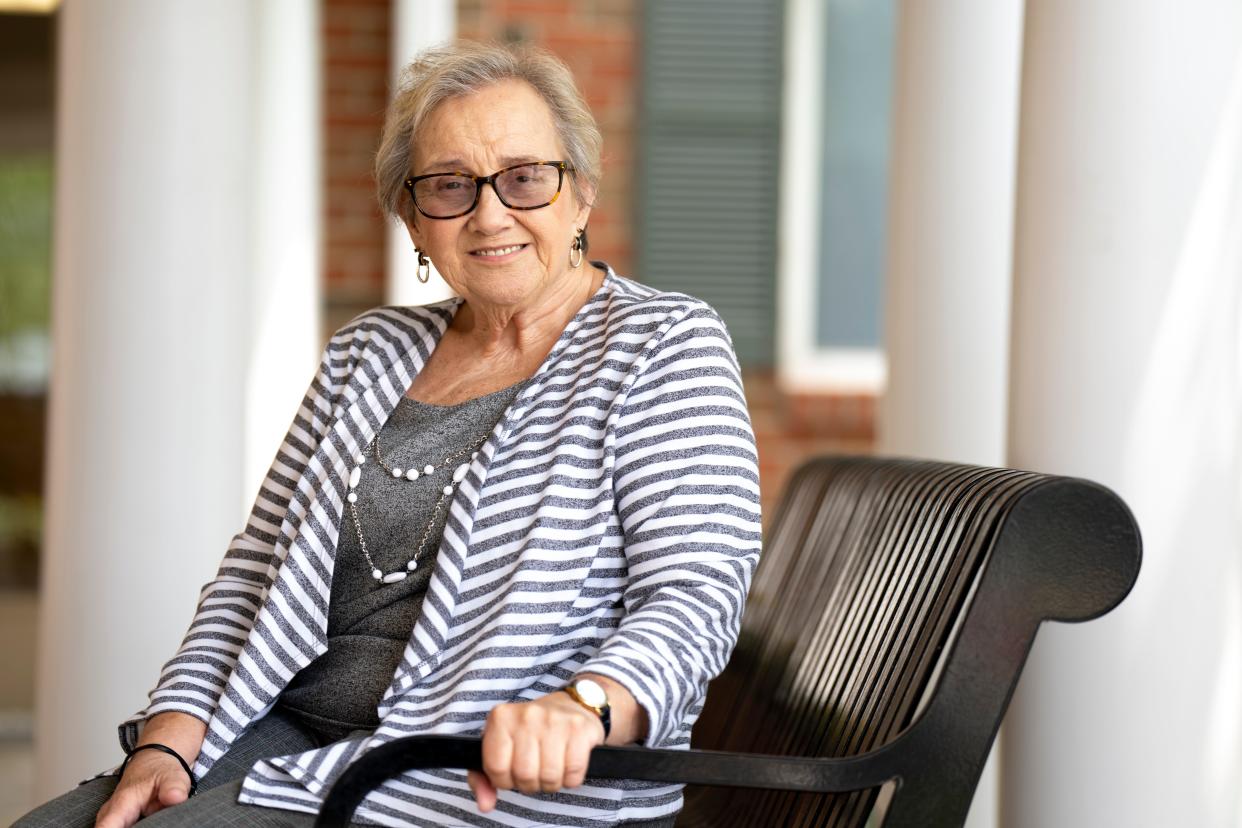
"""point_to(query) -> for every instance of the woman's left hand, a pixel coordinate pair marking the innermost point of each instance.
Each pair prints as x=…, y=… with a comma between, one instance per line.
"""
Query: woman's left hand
x=539, y=746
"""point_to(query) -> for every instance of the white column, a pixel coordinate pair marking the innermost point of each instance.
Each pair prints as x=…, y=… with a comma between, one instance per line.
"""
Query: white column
x=1127, y=369
x=162, y=201
x=416, y=24
x=950, y=244
x=286, y=203
x=950, y=230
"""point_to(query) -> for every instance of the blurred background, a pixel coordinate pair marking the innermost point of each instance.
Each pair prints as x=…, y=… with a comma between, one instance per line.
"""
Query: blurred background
x=987, y=231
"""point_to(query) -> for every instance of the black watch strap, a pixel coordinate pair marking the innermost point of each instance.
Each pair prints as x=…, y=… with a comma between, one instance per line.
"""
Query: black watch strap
x=605, y=718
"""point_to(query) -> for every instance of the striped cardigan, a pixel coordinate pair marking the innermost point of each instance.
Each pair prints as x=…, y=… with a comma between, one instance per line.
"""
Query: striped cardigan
x=610, y=523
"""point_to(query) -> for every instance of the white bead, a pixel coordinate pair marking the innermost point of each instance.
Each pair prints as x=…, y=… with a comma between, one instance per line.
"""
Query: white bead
x=429, y=469
x=352, y=497
x=412, y=565
x=376, y=574
x=362, y=458
x=355, y=476
x=460, y=472
x=448, y=490
x=397, y=472
x=412, y=474
x=393, y=577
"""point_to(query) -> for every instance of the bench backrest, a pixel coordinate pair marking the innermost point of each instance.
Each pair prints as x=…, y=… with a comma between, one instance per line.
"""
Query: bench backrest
x=863, y=600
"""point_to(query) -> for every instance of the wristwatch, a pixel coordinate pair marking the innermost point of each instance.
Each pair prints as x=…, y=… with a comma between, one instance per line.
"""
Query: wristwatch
x=591, y=695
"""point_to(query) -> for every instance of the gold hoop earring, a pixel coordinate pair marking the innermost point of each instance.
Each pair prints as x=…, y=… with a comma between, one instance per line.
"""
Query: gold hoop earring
x=576, y=247
x=424, y=266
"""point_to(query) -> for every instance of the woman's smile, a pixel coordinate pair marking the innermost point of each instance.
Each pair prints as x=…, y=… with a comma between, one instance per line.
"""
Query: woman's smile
x=499, y=253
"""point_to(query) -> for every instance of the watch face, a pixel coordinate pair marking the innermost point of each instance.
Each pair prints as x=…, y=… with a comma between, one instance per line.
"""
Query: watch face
x=591, y=693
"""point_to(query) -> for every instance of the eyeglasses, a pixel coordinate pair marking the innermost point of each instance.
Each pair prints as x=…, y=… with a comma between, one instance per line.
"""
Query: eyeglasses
x=526, y=186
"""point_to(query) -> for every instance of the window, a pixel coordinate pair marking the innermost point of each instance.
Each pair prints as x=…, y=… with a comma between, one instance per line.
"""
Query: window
x=839, y=71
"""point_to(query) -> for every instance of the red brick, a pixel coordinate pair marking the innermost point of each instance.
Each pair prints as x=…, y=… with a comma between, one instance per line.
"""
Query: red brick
x=542, y=8
x=355, y=54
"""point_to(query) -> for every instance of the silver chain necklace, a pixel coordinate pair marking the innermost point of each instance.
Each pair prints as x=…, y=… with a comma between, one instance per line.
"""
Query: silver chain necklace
x=411, y=475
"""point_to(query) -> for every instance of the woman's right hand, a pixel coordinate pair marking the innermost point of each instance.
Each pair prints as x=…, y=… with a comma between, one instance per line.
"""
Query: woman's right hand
x=153, y=780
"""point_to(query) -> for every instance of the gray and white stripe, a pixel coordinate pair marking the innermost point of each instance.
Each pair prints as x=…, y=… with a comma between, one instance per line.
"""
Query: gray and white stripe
x=610, y=524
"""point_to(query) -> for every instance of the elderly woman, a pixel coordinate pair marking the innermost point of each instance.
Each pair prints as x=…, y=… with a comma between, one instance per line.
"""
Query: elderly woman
x=530, y=511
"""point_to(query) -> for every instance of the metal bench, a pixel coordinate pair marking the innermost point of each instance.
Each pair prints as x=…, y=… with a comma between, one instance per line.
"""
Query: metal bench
x=885, y=632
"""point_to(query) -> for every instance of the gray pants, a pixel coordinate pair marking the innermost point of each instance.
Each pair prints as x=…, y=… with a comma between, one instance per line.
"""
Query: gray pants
x=276, y=734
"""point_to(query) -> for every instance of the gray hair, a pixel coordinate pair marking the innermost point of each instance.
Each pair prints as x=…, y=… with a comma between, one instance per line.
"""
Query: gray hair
x=454, y=70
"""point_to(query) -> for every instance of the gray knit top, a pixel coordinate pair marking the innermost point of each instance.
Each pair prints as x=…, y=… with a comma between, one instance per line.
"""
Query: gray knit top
x=369, y=622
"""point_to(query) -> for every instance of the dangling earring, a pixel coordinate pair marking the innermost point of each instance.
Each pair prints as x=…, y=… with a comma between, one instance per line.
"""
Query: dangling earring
x=424, y=266
x=578, y=247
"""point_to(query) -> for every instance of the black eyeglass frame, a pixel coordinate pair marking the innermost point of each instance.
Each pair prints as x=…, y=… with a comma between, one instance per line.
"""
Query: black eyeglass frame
x=562, y=167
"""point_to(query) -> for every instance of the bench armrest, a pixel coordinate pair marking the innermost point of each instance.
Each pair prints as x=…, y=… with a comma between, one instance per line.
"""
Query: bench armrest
x=695, y=767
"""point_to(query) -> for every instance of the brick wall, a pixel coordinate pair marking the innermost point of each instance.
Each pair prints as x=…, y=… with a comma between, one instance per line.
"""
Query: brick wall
x=355, y=80
x=790, y=428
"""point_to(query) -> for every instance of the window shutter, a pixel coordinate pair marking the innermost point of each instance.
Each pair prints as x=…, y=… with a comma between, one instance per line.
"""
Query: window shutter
x=709, y=159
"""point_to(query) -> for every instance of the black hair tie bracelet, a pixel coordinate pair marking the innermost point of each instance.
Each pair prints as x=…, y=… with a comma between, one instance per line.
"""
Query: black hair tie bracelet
x=170, y=752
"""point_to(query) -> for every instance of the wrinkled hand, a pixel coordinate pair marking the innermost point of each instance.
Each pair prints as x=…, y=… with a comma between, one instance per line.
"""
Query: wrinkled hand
x=152, y=782
x=538, y=746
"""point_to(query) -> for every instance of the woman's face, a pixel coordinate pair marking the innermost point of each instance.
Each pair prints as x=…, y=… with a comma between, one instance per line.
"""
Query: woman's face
x=495, y=256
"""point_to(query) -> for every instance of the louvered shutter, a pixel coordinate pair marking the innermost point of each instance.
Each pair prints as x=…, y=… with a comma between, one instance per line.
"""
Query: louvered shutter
x=709, y=159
